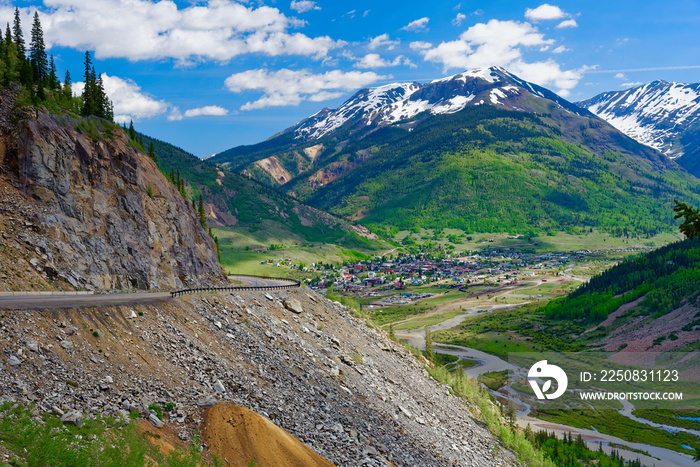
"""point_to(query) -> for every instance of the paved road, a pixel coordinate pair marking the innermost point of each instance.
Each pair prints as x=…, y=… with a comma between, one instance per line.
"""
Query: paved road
x=26, y=302
x=78, y=301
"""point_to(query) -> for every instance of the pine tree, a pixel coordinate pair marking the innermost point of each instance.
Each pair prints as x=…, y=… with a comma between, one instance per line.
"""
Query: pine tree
x=202, y=213
x=37, y=54
x=53, y=82
x=23, y=67
x=105, y=109
x=690, y=227
x=89, y=87
x=218, y=248
x=18, y=36
x=132, y=132
x=11, y=59
x=67, y=92
x=152, y=152
x=392, y=333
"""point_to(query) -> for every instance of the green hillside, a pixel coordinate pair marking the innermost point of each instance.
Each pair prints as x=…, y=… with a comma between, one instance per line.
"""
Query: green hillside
x=249, y=217
x=485, y=169
x=666, y=278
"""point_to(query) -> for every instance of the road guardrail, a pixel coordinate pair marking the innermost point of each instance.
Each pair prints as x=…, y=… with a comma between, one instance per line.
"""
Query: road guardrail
x=294, y=284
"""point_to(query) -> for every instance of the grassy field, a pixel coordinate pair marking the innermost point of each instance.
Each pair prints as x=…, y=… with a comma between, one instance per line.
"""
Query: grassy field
x=610, y=421
x=491, y=342
x=494, y=380
x=688, y=419
x=242, y=254
x=427, y=321
x=551, y=289
x=560, y=241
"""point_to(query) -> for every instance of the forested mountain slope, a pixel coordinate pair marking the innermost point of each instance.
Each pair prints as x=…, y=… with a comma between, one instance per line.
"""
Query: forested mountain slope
x=482, y=151
x=650, y=302
x=234, y=200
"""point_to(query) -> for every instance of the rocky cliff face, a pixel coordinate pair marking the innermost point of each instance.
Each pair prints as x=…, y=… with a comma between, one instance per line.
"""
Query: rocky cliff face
x=106, y=215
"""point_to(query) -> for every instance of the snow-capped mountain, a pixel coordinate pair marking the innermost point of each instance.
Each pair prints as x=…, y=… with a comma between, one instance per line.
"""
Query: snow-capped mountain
x=333, y=142
x=480, y=150
x=657, y=114
x=396, y=102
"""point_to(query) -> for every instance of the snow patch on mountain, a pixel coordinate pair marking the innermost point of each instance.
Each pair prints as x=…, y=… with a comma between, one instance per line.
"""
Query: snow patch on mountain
x=655, y=114
x=393, y=103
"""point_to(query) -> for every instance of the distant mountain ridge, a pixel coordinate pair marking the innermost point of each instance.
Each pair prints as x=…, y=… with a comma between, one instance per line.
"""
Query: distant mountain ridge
x=397, y=102
x=659, y=114
x=480, y=150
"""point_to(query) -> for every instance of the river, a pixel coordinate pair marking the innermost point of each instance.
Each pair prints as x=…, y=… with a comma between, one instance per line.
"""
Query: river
x=486, y=363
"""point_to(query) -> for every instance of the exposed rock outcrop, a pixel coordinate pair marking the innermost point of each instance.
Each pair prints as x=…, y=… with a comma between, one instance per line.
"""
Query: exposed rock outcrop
x=106, y=212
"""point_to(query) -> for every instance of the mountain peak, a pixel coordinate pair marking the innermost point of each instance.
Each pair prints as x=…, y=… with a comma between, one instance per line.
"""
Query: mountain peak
x=655, y=114
x=396, y=102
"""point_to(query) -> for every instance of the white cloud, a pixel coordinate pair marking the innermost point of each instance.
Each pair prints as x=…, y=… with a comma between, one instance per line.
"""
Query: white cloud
x=143, y=30
x=545, y=12
x=502, y=43
x=210, y=110
x=485, y=44
x=417, y=25
x=129, y=102
x=459, y=18
x=568, y=23
x=375, y=61
x=420, y=45
x=303, y=6
x=620, y=76
x=407, y=62
x=366, y=13
x=548, y=74
x=290, y=87
x=560, y=49
x=632, y=84
x=382, y=41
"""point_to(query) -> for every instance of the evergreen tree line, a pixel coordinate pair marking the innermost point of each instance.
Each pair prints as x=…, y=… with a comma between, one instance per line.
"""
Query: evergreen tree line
x=573, y=452
x=35, y=71
x=666, y=276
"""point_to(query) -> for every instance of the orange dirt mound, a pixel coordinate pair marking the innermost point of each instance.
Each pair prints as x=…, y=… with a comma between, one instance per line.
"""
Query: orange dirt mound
x=237, y=435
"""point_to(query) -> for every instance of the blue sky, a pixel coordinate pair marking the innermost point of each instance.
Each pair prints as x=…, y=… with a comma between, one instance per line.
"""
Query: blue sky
x=210, y=75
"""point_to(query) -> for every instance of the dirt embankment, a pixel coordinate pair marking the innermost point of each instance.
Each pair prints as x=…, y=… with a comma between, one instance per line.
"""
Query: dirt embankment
x=238, y=435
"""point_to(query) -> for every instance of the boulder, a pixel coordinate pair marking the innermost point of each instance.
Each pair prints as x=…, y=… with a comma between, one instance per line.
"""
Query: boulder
x=293, y=305
x=74, y=417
